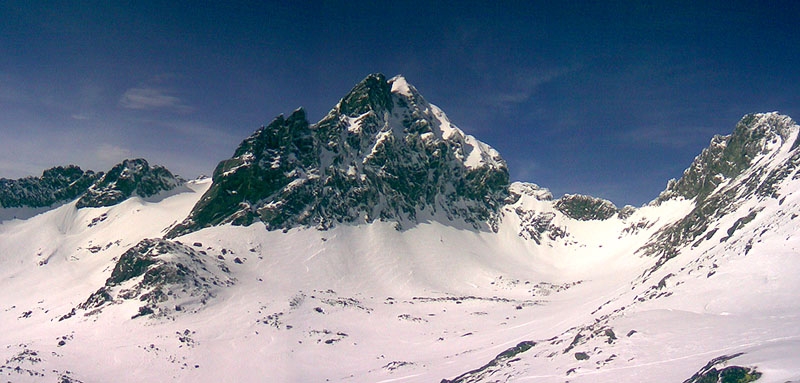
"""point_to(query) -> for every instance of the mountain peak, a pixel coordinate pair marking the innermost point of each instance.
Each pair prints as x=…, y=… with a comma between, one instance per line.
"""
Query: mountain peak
x=756, y=136
x=382, y=153
x=774, y=122
x=56, y=185
x=126, y=179
x=754, y=163
x=759, y=133
x=371, y=94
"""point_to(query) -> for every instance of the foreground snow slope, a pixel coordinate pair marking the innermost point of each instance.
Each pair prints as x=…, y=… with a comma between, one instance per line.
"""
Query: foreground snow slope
x=52, y=261
x=371, y=303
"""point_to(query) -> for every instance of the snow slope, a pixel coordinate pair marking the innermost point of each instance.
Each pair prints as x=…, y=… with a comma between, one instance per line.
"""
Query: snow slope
x=371, y=303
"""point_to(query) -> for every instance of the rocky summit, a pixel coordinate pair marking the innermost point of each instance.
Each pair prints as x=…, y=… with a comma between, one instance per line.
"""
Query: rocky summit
x=753, y=139
x=735, y=170
x=126, y=179
x=58, y=184
x=63, y=184
x=382, y=153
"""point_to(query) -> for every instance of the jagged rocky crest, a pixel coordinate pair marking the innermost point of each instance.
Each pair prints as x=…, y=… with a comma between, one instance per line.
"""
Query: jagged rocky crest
x=728, y=156
x=56, y=185
x=127, y=179
x=749, y=164
x=59, y=185
x=382, y=153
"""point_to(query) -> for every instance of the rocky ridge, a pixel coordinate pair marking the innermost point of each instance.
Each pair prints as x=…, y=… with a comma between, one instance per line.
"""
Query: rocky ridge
x=63, y=184
x=126, y=179
x=751, y=163
x=585, y=208
x=166, y=277
x=56, y=185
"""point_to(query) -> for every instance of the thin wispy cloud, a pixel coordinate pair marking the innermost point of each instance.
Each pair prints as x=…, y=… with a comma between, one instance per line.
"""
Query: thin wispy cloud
x=151, y=98
x=110, y=153
x=524, y=169
x=668, y=137
x=525, y=85
x=81, y=117
x=200, y=131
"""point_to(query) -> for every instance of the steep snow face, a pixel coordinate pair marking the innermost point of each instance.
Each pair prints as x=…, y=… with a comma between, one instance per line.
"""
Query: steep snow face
x=383, y=153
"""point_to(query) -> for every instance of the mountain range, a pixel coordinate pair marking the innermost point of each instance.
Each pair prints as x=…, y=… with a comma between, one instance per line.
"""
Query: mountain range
x=383, y=244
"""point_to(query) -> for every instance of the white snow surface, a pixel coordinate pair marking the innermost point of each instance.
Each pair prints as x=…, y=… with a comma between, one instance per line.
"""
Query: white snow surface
x=368, y=303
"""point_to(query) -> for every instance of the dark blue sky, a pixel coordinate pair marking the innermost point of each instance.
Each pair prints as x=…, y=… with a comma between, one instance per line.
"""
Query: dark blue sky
x=610, y=99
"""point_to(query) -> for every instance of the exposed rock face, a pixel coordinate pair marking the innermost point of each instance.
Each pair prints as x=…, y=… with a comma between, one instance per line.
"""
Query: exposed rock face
x=62, y=184
x=761, y=153
x=585, y=208
x=719, y=370
x=165, y=276
x=382, y=153
x=58, y=184
x=494, y=366
x=127, y=179
x=728, y=156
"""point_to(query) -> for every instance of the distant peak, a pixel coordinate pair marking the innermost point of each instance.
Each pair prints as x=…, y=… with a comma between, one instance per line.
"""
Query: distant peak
x=298, y=114
x=375, y=77
x=133, y=163
x=756, y=136
x=585, y=208
x=128, y=178
x=56, y=185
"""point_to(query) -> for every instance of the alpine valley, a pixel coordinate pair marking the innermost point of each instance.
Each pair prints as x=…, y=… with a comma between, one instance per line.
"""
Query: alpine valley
x=383, y=244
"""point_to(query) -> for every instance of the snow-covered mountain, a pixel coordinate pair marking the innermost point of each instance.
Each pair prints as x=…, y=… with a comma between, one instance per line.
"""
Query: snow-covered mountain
x=403, y=254
x=126, y=179
x=62, y=184
x=382, y=153
x=56, y=185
